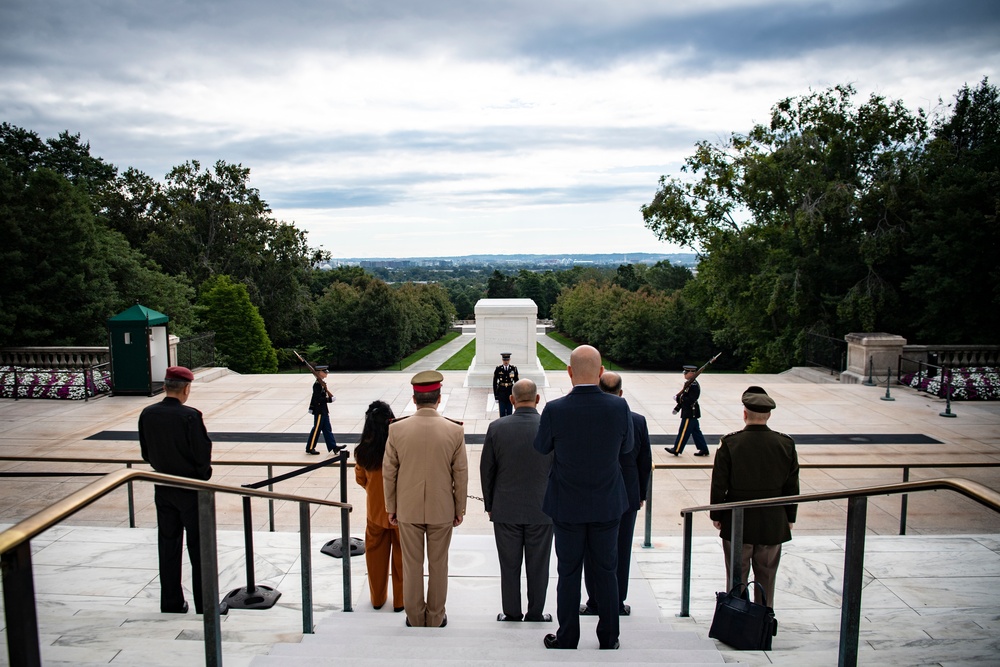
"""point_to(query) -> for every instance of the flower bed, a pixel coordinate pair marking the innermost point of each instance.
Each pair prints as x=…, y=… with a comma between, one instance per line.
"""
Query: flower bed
x=73, y=385
x=968, y=384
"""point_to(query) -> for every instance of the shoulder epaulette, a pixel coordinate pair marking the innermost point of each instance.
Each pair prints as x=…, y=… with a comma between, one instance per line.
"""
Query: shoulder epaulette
x=399, y=419
x=785, y=435
x=729, y=434
x=455, y=421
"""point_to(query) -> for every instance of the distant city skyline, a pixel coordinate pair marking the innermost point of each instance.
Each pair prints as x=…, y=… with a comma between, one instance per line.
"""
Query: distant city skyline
x=403, y=129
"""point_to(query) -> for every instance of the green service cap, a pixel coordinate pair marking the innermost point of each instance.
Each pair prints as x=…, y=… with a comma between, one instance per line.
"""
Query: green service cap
x=756, y=399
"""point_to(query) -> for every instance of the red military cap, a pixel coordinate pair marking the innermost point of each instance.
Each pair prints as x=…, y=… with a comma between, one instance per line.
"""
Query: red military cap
x=179, y=373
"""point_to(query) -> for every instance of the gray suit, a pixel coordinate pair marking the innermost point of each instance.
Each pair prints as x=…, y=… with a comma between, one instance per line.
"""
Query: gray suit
x=514, y=477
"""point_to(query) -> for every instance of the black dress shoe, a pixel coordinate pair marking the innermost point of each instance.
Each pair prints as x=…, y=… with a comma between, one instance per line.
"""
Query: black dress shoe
x=408, y=623
x=378, y=607
x=312, y=451
x=671, y=451
x=624, y=610
x=505, y=617
x=444, y=622
x=183, y=609
x=550, y=641
x=544, y=618
x=701, y=453
x=587, y=611
x=613, y=647
x=398, y=609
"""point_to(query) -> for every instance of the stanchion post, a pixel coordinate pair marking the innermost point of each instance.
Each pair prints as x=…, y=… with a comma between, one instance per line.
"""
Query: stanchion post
x=870, y=382
x=888, y=378
x=947, y=397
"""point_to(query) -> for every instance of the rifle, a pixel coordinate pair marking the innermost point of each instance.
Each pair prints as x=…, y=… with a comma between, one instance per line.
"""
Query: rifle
x=687, y=383
x=313, y=369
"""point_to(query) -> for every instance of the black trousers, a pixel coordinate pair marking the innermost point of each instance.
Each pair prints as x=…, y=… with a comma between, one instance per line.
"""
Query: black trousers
x=596, y=542
x=177, y=513
x=532, y=544
x=626, y=530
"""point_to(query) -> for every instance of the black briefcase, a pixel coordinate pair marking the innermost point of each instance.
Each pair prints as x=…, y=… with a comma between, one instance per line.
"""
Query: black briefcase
x=743, y=624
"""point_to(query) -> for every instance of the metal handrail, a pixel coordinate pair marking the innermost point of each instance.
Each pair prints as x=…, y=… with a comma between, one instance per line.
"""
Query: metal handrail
x=854, y=549
x=15, y=554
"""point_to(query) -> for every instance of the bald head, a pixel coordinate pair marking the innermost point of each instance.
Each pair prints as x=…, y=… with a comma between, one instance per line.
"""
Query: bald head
x=585, y=365
x=525, y=393
x=611, y=383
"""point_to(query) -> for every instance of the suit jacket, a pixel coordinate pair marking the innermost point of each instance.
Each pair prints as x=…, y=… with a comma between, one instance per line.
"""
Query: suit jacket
x=587, y=430
x=173, y=439
x=371, y=482
x=637, y=463
x=513, y=474
x=752, y=464
x=425, y=470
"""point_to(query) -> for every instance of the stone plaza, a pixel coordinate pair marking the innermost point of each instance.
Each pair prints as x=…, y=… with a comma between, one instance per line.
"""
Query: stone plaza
x=930, y=597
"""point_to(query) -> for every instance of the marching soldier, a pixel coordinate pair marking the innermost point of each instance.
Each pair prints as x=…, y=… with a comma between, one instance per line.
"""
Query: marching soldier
x=504, y=378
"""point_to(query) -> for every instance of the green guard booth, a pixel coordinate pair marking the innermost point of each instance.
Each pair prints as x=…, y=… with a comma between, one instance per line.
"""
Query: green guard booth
x=139, y=345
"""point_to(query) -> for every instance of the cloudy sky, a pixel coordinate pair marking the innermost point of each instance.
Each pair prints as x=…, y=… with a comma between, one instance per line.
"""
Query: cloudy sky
x=398, y=128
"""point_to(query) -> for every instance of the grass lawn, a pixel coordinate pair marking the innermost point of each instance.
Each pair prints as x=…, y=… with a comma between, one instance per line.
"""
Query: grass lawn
x=424, y=351
x=559, y=338
x=461, y=360
x=550, y=362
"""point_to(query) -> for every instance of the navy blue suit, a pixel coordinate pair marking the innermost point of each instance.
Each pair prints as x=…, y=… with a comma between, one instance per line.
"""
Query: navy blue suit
x=587, y=430
x=636, y=466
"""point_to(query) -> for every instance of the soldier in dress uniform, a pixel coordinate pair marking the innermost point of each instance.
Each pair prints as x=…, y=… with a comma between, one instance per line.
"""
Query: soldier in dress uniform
x=504, y=378
x=752, y=464
x=425, y=475
x=687, y=404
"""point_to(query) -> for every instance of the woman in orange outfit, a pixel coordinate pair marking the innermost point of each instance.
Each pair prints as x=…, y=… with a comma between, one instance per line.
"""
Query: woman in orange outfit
x=381, y=539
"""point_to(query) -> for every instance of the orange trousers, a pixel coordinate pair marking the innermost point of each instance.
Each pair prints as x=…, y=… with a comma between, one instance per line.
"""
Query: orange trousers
x=382, y=550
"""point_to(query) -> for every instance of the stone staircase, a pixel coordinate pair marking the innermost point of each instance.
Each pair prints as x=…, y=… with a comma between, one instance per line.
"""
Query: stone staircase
x=474, y=637
x=378, y=639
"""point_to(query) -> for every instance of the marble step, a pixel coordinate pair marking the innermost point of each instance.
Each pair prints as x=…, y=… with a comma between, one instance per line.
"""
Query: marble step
x=574, y=658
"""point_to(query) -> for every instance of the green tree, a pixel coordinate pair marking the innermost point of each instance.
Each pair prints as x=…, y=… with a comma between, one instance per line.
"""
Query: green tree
x=204, y=222
x=799, y=222
x=501, y=286
x=240, y=336
x=954, y=286
x=668, y=277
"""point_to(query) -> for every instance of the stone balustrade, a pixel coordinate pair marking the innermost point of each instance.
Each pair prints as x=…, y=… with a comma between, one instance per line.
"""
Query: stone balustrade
x=54, y=357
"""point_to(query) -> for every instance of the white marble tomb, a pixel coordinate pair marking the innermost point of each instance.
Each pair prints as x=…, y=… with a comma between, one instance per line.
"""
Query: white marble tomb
x=505, y=325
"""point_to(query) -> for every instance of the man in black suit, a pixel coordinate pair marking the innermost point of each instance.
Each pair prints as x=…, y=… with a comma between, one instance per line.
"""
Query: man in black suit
x=513, y=476
x=636, y=466
x=752, y=464
x=587, y=430
x=173, y=439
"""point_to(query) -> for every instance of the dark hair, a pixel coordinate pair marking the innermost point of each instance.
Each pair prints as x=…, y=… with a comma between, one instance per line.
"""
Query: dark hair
x=371, y=448
x=425, y=398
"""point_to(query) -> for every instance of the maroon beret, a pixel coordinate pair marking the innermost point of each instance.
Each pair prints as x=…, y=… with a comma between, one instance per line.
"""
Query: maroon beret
x=179, y=373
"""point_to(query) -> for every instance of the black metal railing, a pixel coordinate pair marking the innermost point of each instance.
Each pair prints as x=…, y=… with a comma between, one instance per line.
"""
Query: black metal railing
x=197, y=351
x=18, y=585
x=825, y=352
x=854, y=549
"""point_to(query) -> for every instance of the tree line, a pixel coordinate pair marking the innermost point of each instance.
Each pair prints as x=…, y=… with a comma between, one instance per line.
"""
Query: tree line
x=837, y=216
x=84, y=241
x=834, y=216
